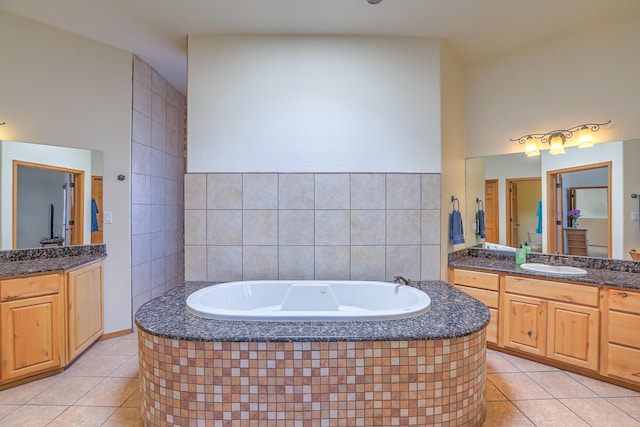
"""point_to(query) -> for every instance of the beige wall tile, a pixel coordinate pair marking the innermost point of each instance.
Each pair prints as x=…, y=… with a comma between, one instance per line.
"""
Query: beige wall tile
x=260, y=263
x=368, y=191
x=333, y=227
x=332, y=191
x=260, y=191
x=195, y=191
x=403, y=191
x=430, y=262
x=403, y=227
x=368, y=227
x=368, y=263
x=296, y=227
x=403, y=261
x=296, y=191
x=430, y=227
x=223, y=227
x=332, y=262
x=296, y=262
x=260, y=227
x=224, y=263
x=431, y=190
x=195, y=263
x=224, y=191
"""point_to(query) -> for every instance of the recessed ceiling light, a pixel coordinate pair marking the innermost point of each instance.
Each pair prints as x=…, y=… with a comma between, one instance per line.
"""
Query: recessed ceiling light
x=373, y=1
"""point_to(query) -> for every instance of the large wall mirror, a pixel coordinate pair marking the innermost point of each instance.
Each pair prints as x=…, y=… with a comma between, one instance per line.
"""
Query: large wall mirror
x=50, y=196
x=527, y=200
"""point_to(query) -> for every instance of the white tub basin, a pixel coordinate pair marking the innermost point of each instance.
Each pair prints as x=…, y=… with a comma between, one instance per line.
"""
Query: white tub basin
x=308, y=300
x=553, y=269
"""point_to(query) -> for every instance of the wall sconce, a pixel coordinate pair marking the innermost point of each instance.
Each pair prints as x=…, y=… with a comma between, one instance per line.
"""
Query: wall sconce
x=557, y=138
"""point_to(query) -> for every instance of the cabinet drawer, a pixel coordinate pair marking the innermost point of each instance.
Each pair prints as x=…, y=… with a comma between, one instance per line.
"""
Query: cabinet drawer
x=488, y=298
x=476, y=279
x=624, y=362
x=623, y=300
x=560, y=291
x=623, y=329
x=32, y=286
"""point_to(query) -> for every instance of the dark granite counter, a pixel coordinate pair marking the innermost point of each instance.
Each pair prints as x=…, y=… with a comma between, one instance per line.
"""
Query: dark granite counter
x=600, y=271
x=43, y=260
x=452, y=314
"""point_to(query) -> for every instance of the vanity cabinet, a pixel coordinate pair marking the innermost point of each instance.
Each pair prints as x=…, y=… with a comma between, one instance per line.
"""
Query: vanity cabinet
x=552, y=319
x=622, y=323
x=483, y=287
x=84, y=308
x=31, y=325
x=47, y=320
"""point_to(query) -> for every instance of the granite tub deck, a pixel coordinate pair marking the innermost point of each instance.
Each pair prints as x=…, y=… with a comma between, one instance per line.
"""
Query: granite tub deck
x=418, y=371
x=600, y=271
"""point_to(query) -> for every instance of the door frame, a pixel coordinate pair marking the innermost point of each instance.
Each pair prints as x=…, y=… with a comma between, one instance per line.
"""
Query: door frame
x=77, y=237
x=554, y=230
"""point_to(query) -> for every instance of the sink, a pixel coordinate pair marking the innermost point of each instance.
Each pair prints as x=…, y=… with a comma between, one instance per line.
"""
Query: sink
x=553, y=269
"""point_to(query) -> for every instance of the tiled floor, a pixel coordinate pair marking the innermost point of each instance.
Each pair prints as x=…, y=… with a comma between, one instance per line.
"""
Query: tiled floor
x=101, y=389
x=524, y=393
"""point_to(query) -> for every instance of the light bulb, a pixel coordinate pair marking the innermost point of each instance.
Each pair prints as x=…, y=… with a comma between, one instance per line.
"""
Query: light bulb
x=556, y=144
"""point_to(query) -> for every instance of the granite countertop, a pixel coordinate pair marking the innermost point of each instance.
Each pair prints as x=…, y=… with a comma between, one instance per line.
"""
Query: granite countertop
x=452, y=314
x=42, y=260
x=600, y=271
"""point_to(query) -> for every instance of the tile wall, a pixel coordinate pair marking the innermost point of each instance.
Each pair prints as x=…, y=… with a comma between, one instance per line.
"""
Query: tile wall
x=358, y=226
x=363, y=383
x=157, y=174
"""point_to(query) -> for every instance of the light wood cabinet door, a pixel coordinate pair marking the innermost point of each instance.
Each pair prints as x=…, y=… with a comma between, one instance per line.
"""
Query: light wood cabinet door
x=573, y=334
x=84, y=308
x=524, y=324
x=31, y=336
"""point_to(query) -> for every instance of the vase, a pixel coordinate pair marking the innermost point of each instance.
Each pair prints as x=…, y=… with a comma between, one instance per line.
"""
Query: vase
x=575, y=224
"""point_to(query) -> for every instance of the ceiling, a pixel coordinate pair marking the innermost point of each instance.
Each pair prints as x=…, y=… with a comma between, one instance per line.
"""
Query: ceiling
x=475, y=30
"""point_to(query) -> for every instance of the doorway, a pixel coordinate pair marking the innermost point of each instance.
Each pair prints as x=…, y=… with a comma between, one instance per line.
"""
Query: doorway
x=563, y=185
x=48, y=205
x=523, y=196
x=492, y=210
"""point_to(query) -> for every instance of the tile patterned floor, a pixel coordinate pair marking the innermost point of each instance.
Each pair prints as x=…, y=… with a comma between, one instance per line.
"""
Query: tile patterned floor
x=101, y=389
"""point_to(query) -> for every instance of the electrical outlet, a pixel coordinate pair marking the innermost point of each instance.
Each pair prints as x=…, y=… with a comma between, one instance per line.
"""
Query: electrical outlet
x=635, y=216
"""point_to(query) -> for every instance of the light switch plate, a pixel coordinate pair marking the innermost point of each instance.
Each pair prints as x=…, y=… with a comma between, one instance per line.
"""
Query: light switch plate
x=107, y=217
x=635, y=216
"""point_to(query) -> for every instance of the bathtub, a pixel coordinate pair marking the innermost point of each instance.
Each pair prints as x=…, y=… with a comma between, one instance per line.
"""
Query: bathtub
x=308, y=300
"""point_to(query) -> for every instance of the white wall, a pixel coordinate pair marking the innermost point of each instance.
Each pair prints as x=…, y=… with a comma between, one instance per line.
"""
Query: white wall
x=61, y=89
x=587, y=76
x=313, y=104
x=453, y=150
x=69, y=158
x=631, y=151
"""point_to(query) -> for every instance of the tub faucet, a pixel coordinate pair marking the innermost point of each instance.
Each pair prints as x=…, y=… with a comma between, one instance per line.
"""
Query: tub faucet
x=402, y=281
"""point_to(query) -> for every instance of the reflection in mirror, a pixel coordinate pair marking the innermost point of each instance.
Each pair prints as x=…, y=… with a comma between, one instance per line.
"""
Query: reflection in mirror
x=614, y=240
x=50, y=195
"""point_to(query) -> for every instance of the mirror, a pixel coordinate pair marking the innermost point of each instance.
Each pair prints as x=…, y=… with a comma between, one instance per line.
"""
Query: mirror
x=509, y=184
x=50, y=195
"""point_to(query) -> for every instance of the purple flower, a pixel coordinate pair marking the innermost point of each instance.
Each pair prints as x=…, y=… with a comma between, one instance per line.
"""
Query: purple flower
x=574, y=213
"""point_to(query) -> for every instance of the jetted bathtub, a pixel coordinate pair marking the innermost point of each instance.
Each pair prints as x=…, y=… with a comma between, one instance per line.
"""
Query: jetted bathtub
x=308, y=300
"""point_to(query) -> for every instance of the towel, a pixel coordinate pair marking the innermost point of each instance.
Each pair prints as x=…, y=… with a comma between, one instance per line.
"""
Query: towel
x=94, y=216
x=456, y=233
x=539, y=215
x=481, y=230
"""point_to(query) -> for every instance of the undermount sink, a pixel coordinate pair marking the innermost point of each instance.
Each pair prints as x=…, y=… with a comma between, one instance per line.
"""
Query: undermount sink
x=553, y=269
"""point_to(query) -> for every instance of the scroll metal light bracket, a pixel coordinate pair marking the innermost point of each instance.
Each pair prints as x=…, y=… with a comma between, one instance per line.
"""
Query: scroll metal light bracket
x=562, y=133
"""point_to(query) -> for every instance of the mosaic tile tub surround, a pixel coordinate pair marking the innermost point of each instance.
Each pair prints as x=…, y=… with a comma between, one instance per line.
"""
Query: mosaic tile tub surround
x=340, y=226
x=425, y=370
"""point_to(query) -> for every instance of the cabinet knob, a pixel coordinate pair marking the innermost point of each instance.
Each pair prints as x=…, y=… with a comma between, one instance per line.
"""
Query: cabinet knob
x=529, y=334
x=624, y=294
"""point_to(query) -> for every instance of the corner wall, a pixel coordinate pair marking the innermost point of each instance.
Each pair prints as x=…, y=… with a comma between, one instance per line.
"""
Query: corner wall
x=157, y=177
x=61, y=89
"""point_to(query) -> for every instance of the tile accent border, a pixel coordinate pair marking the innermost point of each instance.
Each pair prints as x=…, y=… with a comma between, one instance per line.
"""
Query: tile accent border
x=344, y=383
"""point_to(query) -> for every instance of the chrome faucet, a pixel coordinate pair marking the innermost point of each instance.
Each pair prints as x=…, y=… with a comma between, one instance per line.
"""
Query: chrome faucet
x=402, y=281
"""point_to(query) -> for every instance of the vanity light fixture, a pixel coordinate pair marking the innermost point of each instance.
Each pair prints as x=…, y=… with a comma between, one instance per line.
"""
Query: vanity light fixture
x=557, y=138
